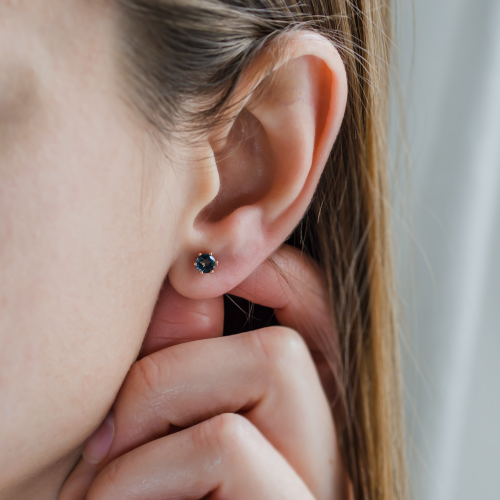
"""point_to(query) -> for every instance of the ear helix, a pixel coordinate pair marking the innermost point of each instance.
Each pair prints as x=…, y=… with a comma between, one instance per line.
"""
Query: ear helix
x=206, y=263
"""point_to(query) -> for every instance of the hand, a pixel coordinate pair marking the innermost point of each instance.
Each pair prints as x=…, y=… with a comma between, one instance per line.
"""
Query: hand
x=240, y=417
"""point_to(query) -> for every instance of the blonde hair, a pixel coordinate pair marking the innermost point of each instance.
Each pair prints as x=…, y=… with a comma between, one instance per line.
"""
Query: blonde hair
x=177, y=50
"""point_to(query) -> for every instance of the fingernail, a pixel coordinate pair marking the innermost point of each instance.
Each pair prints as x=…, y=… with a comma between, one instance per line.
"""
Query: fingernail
x=97, y=446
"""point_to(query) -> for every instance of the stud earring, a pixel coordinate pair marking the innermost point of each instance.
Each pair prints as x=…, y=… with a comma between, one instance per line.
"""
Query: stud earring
x=205, y=263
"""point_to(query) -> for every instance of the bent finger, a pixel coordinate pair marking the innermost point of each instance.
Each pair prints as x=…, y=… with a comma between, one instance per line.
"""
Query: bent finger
x=224, y=457
x=267, y=374
x=175, y=320
x=293, y=285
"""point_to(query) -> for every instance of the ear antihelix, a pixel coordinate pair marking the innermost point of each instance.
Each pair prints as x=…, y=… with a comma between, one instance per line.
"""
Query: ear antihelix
x=205, y=263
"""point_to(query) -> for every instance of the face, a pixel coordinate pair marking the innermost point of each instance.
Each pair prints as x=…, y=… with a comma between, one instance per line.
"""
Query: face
x=94, y=213
x=87, y=204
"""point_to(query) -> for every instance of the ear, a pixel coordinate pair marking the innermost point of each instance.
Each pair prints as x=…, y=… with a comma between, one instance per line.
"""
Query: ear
x=266, y=164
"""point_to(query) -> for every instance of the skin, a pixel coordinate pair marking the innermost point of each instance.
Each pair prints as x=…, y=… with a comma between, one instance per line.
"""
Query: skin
x=94, y=215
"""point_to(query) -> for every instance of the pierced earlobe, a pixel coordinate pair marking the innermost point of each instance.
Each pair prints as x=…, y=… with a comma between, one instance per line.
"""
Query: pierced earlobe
x=205, y=263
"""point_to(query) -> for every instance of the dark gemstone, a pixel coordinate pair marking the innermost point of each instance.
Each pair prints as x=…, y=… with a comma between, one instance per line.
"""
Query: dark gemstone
x=205, y=263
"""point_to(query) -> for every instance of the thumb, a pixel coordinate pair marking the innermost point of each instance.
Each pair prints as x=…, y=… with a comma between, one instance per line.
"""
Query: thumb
x=177, y=319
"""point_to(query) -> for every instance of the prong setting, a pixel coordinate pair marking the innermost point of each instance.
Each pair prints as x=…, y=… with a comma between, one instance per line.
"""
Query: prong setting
x=206, y=263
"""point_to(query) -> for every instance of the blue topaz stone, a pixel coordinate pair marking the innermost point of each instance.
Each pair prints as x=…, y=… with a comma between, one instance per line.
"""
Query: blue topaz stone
x=205, y=263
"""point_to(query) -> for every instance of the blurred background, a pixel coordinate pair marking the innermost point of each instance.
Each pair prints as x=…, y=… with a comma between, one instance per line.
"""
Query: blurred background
x=447, y=234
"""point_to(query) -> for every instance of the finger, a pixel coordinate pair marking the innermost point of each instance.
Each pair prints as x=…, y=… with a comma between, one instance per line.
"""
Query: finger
x=222, y=458
x=79, y=482
x=177, y=319
x=293, y=285
x=267, y=374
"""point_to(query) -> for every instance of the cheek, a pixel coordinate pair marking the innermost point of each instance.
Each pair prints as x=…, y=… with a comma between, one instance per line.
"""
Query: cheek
x=84, y=252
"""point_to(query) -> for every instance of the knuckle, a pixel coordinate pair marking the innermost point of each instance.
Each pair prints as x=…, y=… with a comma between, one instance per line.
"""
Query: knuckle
x=284, y=347
x=229, y=428
x=224, y=434
x=146, y=375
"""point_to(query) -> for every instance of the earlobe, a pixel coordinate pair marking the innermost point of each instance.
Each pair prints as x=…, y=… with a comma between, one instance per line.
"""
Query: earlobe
x=269, y=161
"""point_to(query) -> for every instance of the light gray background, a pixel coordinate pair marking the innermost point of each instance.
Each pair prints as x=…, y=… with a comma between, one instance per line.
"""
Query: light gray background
x=447, y=232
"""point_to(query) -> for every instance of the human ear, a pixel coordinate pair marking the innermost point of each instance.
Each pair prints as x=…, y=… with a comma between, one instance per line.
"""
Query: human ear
x=267, y=162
